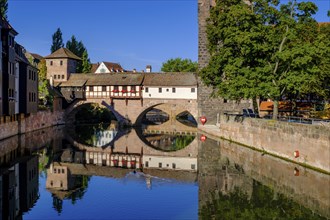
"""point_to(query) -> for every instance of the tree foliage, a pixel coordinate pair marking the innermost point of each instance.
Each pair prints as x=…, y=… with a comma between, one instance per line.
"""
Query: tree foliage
x=79, y=49
x=86, y=64
x=264, y=49
x=57, y=41
x=43, y=85
x=179, y=65
x=4, y=8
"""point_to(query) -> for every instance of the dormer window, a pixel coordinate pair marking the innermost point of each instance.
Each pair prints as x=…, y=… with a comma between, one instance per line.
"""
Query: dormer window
x=102, y=70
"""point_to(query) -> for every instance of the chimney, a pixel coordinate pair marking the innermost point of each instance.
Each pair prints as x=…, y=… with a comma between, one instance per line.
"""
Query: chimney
x=148, y=69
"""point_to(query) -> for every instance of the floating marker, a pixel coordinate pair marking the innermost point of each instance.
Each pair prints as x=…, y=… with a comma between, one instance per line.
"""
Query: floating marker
x=296, y=153
x=203, y=138
x=203, y=120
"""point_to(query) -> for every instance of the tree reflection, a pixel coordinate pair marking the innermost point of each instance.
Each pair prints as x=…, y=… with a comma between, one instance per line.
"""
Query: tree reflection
x=264, y=203
x=57, y=204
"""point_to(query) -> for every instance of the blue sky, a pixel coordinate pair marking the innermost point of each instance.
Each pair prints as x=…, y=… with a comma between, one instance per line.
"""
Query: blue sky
x=133, y=33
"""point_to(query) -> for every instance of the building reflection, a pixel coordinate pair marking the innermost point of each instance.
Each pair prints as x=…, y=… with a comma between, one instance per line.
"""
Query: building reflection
x=127, y=155
x=19, y=170
x=19, y=185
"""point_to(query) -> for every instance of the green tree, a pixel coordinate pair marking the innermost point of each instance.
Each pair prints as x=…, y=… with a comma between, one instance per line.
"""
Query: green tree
x=86, y=64
x=78, y=49
x=4, y=8
x=179, y=65
x=262, y=49
x=57, y=41
x=43, y=82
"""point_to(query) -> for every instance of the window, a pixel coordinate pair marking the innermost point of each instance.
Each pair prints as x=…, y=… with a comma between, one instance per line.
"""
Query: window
x=104, y=88
x=160, y=165
x=29, y=96
x=91, y=88
x=160, y=90
x=124, y=89
x=225, y=100
x=147, y=163
x=193, y=90
x=59, y=76
x=54, y=76
x=147, y=89
x=193, y=166
x=55, y=170
x=62, y=76
x=61, y=62
x=51, y=63
x=173, y=90
x=173, y=165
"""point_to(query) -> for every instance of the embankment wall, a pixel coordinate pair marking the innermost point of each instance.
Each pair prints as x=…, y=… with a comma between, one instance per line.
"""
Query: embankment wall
x=33, y=122
x=281, y=138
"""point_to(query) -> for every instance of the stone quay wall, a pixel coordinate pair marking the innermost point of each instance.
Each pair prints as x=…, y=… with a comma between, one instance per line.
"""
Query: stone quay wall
x=33, y=122
x=281, y=139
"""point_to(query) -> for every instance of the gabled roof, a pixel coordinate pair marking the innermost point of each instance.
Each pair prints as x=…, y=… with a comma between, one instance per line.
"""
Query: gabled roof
x=111, y=67
x=37, y=56
x=170, y=79
x=94, y=67
x=5, y=24
x=63, y=53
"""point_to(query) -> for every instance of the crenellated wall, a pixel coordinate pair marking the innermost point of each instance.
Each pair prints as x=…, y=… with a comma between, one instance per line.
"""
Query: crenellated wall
x=33, y=122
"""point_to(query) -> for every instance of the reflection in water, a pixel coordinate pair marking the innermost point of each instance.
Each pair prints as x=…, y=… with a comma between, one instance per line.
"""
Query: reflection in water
x=97, y=135
x=238, y=183
x=263, y=203
x=132, y=178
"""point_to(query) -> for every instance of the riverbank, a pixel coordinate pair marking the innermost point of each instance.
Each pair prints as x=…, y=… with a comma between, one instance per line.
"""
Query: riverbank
x=31, y=122
x=306, y=145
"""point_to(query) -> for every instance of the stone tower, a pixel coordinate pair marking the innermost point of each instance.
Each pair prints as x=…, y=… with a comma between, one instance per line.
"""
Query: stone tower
x=61, y=64
x=207, y=106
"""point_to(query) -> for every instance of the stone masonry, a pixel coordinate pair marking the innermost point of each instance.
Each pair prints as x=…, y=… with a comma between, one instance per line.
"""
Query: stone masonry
x=208, y=106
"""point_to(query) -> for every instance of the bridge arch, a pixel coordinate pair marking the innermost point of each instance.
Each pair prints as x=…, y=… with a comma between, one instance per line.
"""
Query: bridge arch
x=134, y=110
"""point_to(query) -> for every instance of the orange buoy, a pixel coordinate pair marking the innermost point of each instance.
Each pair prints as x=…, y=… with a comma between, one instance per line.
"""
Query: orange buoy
x=203, y=138
x=296, y=153
x=296, y=171
x=203, y=120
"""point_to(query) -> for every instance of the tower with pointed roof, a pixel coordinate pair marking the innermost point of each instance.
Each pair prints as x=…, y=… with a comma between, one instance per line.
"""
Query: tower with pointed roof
x=61, y=64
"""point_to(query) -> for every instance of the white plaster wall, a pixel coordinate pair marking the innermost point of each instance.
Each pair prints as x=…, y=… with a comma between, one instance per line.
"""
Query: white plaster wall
x=181, y=163
x=104, y=137
x=102, y=66
x=180, y=93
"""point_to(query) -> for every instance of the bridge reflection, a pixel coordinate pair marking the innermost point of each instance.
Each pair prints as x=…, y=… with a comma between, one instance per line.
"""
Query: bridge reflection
x=225, y=171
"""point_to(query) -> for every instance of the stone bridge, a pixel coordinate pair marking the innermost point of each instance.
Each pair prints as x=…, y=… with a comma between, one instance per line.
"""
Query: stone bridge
x=134, y=110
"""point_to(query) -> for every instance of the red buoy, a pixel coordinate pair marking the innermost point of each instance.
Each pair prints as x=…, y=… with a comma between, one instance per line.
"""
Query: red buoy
x=296, y=153
x=203, y=138
x=203, y=120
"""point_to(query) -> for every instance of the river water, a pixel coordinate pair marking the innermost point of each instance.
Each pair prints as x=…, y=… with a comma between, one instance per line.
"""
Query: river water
x=154, y=172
